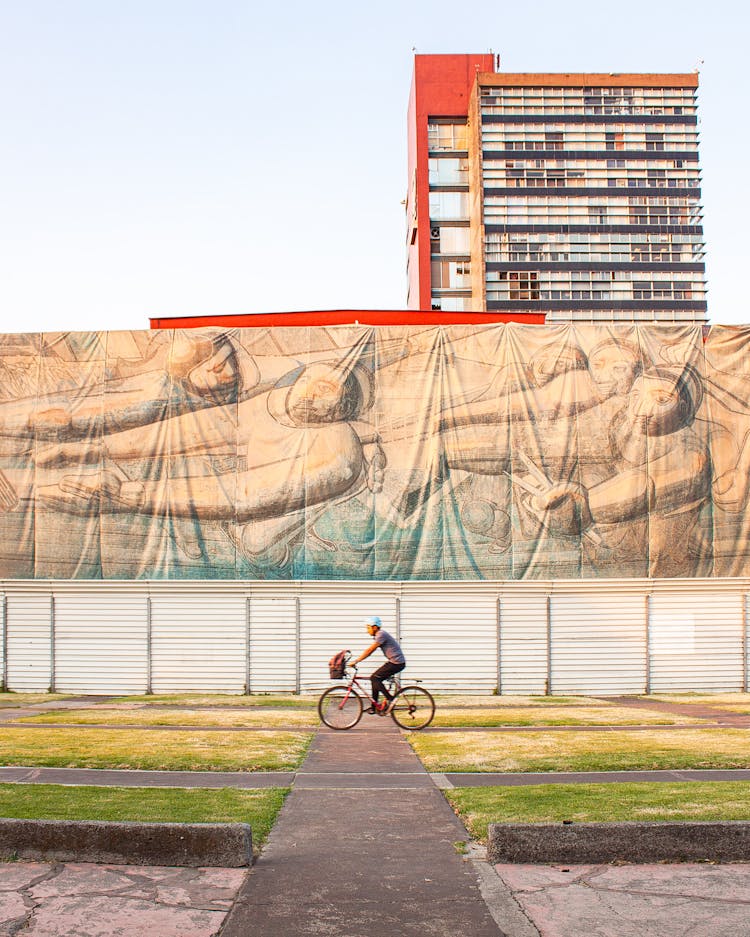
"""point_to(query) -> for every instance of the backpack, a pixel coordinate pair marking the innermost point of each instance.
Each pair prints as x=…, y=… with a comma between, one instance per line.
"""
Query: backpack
x=337, y=665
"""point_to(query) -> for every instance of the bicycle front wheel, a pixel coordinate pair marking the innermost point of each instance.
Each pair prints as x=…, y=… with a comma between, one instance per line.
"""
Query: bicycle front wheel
x=413, y=708
x=340, y=708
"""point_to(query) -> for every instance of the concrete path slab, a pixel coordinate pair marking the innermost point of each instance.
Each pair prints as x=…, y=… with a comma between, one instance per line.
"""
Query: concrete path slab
x=85, y=900
x=632, y=900
x=354, y=863
x=130, y=778
x=491, y=779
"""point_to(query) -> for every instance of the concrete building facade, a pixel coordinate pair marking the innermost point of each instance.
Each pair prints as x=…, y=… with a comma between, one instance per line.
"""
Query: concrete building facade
x=576, y=196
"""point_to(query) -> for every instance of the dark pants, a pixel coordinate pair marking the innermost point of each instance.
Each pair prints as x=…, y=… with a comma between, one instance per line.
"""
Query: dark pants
x=382, y=673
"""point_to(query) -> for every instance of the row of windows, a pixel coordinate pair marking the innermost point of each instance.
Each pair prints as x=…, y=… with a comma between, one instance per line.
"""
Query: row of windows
x=617, y=253
x=635, y=211
x=589, y=100
x=576, y=137
x=593, y=238
x=530, y=285
x=587, y=178
x=509, y=295
x=639, y=279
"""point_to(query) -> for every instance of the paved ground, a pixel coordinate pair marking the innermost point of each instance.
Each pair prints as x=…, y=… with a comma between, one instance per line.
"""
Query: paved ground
x=86, y=900
x=329, y=869
x=361, y=850
x=632, y=900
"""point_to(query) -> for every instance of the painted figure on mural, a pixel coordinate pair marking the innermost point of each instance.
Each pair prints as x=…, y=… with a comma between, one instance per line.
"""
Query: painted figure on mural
x=624, y=448
x=299, y=446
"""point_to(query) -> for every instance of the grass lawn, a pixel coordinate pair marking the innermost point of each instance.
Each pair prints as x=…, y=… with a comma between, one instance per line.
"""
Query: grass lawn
x=598, y=803
x=148, y=750
x=147, y=805
x=223, y=699
x=144, y=716
x=553, y=716
x=25, y=699
x=582, y=750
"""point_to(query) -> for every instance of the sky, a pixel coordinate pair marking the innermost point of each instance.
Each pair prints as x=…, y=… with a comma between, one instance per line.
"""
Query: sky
x=173, y=157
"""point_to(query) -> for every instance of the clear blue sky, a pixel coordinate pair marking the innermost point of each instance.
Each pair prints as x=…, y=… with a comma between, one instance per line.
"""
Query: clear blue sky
x=183, y=158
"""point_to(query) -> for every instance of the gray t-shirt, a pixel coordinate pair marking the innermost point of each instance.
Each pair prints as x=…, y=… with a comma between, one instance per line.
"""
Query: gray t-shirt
x=390, y=647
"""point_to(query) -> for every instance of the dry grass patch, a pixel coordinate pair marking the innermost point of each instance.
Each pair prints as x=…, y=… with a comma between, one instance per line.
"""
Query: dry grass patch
x=276, y=701
x=555, y=716
x=28, y=699
x=599, y=803
x=154, y=751
x=583, y=751
x=140, y=716
x=731, y=702
x=502, y=702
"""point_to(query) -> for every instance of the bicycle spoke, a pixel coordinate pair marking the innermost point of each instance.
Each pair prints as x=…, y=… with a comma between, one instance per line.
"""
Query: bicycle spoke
x=413, y=708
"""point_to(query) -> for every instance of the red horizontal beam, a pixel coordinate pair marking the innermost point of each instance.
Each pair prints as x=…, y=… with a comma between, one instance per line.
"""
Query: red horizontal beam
x=343, y=317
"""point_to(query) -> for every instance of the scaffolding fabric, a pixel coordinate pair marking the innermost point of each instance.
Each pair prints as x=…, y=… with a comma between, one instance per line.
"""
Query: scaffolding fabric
x=351, y=452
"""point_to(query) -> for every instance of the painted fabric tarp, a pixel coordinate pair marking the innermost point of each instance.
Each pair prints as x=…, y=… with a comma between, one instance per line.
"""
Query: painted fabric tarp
x=459, y=452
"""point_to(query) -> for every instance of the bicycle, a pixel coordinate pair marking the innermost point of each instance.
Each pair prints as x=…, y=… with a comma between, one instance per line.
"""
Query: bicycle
x=341, y=706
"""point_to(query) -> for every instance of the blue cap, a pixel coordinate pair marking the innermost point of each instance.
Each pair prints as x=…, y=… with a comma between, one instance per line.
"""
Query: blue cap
x=373, y=620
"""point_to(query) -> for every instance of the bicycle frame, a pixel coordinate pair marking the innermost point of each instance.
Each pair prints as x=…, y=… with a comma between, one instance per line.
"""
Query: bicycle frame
x=355, y=683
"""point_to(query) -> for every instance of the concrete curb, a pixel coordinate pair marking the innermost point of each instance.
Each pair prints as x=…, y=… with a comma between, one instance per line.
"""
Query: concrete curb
x=546, y=843
x=228, y=845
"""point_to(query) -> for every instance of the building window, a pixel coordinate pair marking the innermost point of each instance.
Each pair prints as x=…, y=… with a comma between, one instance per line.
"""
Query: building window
x=447, y=137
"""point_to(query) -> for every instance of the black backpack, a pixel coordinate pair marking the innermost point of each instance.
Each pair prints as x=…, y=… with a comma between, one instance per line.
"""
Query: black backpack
x=337, y=665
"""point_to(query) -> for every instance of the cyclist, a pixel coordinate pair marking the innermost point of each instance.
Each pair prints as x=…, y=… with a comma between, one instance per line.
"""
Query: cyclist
x=395, y=662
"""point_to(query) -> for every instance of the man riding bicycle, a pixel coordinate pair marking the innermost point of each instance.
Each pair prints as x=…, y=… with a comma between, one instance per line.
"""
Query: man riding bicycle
x=395, y=662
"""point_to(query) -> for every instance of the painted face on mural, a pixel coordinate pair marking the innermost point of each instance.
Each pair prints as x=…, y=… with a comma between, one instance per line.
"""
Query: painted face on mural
x=614, y=368
x=659, y=404
x=208, y=367
x=549, y=363
x=316, y=396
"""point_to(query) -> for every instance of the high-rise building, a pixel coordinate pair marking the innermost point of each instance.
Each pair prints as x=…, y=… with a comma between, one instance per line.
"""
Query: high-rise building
x=572, y=195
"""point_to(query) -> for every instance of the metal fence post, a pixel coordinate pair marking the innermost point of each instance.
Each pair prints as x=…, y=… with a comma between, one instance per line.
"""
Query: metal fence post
x=247, y=645
x=298, y=649
x=149, y=689
x=745, y=675
x=548, y=686
x=498, y=623
x=5, y=643
x=647, y=632
x=52, y=643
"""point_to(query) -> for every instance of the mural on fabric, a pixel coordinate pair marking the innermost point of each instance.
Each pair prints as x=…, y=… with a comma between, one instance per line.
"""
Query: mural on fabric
x=459, y=452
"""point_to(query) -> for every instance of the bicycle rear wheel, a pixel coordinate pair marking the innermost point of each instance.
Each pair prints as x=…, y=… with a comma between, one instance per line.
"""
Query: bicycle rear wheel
x=413, y=708
x=340, y=708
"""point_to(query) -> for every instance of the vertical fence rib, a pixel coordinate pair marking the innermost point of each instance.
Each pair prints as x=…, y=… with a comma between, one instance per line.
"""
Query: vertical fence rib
x=5, y=642
x=647, y=636
x=745, y=675
x=499, y=644
x=52, y=643
x=149, y=648
x=548, y=686
x=248, y=635
x=297, y=648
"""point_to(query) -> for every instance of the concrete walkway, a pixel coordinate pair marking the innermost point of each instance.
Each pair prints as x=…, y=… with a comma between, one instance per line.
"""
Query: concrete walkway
x=631, y=900
x=39, y=899
x=364, y=845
